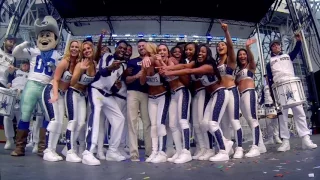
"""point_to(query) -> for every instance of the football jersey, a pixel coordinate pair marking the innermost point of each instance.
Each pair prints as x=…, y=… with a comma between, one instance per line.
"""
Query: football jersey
x=20, y=80
x=5, y=61
x=106, y=83
x=38, y=70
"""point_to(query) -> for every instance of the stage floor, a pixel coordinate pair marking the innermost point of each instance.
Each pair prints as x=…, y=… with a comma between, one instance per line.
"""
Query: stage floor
x=294, y=164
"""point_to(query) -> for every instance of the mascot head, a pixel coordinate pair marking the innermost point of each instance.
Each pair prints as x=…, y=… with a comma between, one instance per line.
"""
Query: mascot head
x=47, y=32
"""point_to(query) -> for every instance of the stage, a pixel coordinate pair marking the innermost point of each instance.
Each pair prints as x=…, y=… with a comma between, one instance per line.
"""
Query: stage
x=294, y=164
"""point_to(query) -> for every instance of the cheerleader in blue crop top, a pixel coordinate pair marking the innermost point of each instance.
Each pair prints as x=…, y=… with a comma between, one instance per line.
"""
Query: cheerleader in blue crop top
x=53, y=100
x=249, y=99
x=158, y=106
x=83, y=74
x=226, y=65
x=206, y=67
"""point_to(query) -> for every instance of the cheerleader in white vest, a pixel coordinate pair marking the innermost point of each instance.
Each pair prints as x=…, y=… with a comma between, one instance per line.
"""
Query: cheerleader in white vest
x=75, y=98
x=158, y=104
x=54, y=101
x=205, y=66
x=280, y=69
x=203, y=151
x=226, y=65
x=249, y=98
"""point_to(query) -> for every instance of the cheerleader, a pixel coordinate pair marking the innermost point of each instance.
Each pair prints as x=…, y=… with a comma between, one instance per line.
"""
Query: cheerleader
x=197, y=107
x=205, y=67
x=179, y=111
x=158, y=104
x=227, y=64
x=54, y=102
x=83, y=74
x=249, y=98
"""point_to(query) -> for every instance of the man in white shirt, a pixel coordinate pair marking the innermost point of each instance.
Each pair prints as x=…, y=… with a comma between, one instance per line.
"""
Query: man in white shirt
x=280, y=69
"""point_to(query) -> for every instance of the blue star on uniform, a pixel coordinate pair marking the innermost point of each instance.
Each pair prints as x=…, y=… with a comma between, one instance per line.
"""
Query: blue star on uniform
x=289, y=94
x=4, y=104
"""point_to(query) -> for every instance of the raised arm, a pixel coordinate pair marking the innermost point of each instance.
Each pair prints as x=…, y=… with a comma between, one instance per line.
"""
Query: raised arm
x=21, y=51
x=293, y=54
x=99, y=46
x=204, y=69
x=252, y=63
x=231, y=54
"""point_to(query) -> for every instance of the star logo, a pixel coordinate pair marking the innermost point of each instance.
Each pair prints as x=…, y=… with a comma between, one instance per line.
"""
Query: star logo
x=4, y=103
x=289, y=94
x=89, y=128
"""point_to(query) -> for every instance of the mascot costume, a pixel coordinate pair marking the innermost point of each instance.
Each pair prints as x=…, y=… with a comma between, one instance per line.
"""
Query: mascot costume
x=43, y=61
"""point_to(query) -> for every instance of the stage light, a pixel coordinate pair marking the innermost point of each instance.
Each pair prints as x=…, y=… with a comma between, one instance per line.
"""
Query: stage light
x=114, y=35
x=127, y=35
x=177, y=39
x=150, y=38
x=140, y=35
x=195, y=36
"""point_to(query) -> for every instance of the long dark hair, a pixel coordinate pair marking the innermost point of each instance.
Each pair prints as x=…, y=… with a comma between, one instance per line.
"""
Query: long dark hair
x=195, y=56
x=209, y=60
x=238, y=60
x=217, y=54
x=239, y=65
x=181, y=61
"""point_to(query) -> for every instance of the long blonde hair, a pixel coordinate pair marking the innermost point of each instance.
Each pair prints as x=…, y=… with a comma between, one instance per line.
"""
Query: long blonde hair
x=151, y=48
x=67, y=54
x=93, y=50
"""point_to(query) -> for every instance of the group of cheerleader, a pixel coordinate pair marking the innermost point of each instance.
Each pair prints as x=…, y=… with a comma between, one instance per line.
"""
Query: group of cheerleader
x=215, y=84
x=179, y=81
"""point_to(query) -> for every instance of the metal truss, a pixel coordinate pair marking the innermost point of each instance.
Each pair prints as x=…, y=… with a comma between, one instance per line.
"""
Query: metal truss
x=304, y=21
x=18, y=17
x=109, y=19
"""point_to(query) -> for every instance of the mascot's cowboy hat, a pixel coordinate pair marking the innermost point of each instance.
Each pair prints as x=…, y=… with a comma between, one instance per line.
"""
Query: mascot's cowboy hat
x=48, y=23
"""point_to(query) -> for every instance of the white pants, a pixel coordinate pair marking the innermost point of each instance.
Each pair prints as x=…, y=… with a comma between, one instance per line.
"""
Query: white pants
x=299, y=117
x=272, y=128
x=179, y=112
x=197, y=116
x=232, y=115
x=76, y=113
x=103, y=131
x=104, y=126
x=122, y=103
x=249, y=108
x=55, y=113
x=158, y=107
x=108, y=105
x=213, y=115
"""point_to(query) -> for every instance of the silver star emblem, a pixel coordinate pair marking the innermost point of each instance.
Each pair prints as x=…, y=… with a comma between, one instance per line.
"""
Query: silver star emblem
x=89, y=128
